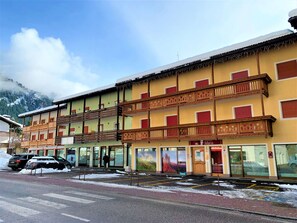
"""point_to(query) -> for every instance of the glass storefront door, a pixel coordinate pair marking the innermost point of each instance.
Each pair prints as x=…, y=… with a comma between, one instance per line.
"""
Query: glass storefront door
x=286, y=160
x=116, y=155
x=235, y=157
x=84, y=156
x=103, y=151
x=95, y=156
x=71, y=157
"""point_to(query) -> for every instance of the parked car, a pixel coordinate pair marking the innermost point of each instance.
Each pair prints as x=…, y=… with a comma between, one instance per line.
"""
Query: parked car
x=18, y=161
x=44, y=162
x=64, y=161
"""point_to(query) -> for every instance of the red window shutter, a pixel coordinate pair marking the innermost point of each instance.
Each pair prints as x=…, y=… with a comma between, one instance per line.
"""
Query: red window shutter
x=202, y=83
x=50, y=135
x=41, y=137
x=144, y=105
x=243, y=112
x=144, y=123
x=60, y=134
x=241, y=74
x=33, y=137
x=287, y=69
x=86, y=129
x=171, y=121
x=203, y=117
x=289, y=109
x=241, y=87
x=171, y=90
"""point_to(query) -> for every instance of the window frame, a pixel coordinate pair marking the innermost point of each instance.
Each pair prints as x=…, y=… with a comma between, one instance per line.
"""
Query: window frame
x=281, y=110
x=276, y=72
x=234, y=107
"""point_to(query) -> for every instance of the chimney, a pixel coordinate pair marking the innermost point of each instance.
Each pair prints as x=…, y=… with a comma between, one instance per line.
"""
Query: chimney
x=293, y=18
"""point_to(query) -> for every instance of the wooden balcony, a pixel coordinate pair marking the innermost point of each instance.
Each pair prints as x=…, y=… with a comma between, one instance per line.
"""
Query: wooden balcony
x=257, y=84
x=90, y=115
x=37, y=143
x=26, y=129
x=256, y=126
x=25, y=144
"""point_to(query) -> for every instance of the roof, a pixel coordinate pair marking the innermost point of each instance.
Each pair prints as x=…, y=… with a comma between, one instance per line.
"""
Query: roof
x=85, y=93
x=207, y=56
x=41, y=110
x=10, y=122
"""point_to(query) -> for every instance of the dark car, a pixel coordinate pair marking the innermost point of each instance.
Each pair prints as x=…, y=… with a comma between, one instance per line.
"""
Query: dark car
x=44, y=162
x=64, y=161
x=18, y=161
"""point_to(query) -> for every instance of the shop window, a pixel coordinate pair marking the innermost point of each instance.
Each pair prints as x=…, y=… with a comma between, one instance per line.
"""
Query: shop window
x=243, y=112
x=286, y=160
x=289, y=109
x=171, y=90
x=287, y=69
x=241, y=87
x=201, y=83
x=146, y=159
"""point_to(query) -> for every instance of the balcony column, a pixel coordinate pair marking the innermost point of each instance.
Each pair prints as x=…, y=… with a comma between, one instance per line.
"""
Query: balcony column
x=70, y=109
x=83, y=123
x=99, y=120
x=123, y=110
x=213, y=99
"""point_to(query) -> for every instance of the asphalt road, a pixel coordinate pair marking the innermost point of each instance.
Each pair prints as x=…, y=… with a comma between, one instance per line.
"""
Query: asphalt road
x=30, y=202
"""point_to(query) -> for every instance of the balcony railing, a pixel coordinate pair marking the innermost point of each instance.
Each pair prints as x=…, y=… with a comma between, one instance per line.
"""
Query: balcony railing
x=235, y=88
x=37, y=143
x=89, y=115
x=255, y=126
x=92, y=137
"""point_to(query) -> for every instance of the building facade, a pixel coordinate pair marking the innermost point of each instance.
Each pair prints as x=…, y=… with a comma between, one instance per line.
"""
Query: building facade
x=39, y=131
x=90, y=128
x=230, y=112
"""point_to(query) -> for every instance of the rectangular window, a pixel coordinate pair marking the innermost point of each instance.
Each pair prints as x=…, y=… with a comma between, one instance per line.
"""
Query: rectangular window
x=171, y=90
x=41, y=137
x=144, y=123
x=60, y=134
x=287, y=69
x=286, y=160
x=289, y=109
x=243, y=112
x=33, y=137
x=201, y=83
x=144, y=105
x=86, y=129
x=241, y=87
x=203, y=117
x=171, y=121
x=50, y=135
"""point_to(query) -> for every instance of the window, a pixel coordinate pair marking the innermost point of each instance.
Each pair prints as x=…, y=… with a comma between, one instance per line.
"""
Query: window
x=41, y=137
x=171, y=90
x=243, y=112
x=203, y=117
x=144, y=105
x=50, y=135
x=241, y=87
x=289, y=109
x=171, y=121
x=144, y=123
x=33, y=137
x=73, y=112
x=86, y=129
x=286, y=69
x=201, y=83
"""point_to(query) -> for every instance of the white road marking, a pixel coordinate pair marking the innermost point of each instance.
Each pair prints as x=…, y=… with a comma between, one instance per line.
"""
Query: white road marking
x=19, y=210
x=68, y=198
x=89, y=195
x=75, y=217
x=44, y=202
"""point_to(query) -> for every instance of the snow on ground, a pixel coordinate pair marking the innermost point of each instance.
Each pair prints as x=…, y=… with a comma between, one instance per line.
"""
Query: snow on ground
x=99, y=176
x=43, y=170
x=4, y=158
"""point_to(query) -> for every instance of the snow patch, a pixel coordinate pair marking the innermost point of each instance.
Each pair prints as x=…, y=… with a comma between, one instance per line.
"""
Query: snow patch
x=4, y=158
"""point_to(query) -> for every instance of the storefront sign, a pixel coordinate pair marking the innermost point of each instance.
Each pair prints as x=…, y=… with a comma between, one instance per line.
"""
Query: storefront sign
x=207, y=142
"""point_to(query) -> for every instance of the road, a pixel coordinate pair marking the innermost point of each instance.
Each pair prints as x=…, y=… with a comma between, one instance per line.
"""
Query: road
x=30, y=202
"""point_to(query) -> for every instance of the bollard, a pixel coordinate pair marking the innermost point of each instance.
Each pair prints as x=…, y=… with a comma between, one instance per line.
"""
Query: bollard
x=41, y=171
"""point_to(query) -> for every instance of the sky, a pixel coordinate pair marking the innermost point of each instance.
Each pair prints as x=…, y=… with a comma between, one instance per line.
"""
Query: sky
x=64, y=47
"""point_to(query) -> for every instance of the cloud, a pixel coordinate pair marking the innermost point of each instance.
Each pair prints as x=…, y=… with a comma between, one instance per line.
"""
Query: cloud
x=45, y=65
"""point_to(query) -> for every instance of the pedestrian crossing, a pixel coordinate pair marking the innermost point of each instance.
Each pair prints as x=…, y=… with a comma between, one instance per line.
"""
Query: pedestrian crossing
x=48, y=200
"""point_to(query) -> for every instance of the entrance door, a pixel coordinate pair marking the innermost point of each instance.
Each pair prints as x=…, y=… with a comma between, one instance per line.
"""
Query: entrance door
x=198, y=160
x=95, y=156
x=103, y=151
x=216, y=159
x=84, y=156
x=236, y=166
x=116, y=155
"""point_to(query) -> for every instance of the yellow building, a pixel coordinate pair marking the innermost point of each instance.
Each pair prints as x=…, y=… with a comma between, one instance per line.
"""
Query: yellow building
x=39, y=131
x=232, y=112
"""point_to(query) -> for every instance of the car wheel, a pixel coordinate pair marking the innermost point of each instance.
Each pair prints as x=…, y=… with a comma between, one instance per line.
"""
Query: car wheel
x=14, y=168
x=68, y=166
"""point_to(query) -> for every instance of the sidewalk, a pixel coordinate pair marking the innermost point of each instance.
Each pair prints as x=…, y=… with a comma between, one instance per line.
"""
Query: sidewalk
x=261, y=207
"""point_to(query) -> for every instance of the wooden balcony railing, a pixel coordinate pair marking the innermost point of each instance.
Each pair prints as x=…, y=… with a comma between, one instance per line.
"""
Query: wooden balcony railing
x=90, y=115
x=255, y=126
x=235, y=88
x=92, y=137
x=37, y=143
x=38, y=127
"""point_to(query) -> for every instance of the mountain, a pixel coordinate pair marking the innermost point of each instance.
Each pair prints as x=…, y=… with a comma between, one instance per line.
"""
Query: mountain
x=16, y=99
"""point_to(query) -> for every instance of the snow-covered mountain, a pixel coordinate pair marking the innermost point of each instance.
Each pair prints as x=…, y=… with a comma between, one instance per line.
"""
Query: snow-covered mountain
x=16, y=99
